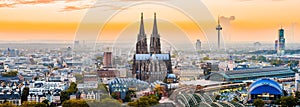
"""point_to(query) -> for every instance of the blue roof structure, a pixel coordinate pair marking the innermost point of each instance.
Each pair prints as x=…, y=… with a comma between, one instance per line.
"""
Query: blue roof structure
x=251, y=74
x=142, y=56
x=152, y=56
x=171, y=76
x=265, y=86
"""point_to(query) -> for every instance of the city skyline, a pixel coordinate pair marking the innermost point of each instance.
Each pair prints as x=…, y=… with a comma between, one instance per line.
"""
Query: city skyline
x=59, y=20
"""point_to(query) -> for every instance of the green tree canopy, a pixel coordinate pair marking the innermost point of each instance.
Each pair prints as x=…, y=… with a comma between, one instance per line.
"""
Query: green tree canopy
x=145, y=101
x=288, y=101
x=75, y=103
x=115, y=95
x=72, y=88
x=79, y=78
x=24, y=94
x=206, y=58
x=10, y=74
x=262, y=58
x=33, y=104
x=105, y=102
x=7, y=104
x=47, y=102
x=258, y=103
x=64, y=95
x=253, y=58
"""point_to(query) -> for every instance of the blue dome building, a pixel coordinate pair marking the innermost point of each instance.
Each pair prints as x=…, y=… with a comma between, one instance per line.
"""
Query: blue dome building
x=265, y=89
x=171, y=78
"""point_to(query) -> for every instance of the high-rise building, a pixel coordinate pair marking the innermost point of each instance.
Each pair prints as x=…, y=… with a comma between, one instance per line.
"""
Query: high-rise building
x=219, y=28
x=107, y=61
x=281, y=43
x=276, y=44
x=198, y=45
x=297, y=81
x=151, y=66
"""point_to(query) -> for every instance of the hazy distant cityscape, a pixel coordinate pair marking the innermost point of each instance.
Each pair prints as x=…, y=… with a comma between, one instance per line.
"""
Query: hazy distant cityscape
x=149, y=53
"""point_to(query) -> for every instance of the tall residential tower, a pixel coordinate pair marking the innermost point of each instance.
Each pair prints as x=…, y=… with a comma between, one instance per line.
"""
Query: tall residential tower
x=281, y=43
x=198, y=45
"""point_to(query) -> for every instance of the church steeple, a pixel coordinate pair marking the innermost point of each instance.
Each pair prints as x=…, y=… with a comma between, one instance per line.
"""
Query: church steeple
x=155, y=32
x=155, y=39
x=142, y=29
x=141, y=44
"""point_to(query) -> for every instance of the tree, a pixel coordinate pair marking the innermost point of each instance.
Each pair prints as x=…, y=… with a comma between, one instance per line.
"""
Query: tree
x=206, y=58
x=159, y=90
x=35, y=78
x=105, y=102
x=115, y=95
x=102, y=87
x=47, y=102
x=104, y=96
x=24, y=94
x=145, y=101
x=262, y=58
x=75, y=103
x=79, y=78
x=235, y=99
x=153, y=100
x=289, y=101
x=33, y=104
x=10, y=74
x=99, y=58
x=297, y=94
x=218, y=97
x=276, y=62
x=64, y=95
x=258, y=103
x=7, y=104
x=127, y=97
x=253, y=58
x=72, y=88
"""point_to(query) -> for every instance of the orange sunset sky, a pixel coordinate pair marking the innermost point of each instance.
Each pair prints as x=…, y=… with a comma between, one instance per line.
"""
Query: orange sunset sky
x=254, y=20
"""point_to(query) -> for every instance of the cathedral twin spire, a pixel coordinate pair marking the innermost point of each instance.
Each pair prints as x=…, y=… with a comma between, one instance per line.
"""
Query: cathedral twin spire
x=141, y=46
x=142, y=29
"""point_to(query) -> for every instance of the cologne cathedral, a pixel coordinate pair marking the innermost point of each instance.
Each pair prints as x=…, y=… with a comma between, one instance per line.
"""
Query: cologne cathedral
x=154, y=65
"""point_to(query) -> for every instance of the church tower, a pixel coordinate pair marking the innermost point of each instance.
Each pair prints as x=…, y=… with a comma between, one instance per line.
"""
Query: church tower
x=141, y=44
x=155, y=39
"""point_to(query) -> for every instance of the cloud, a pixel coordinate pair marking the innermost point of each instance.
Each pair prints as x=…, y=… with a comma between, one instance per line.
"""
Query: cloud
x=260, y=0
x=34, y=1
x=68, y=1
x=231, y=18
x=81, y=7
x=72, y=5
x=71, y=8
x=226, y=24
x=142, y=0
x=7, y=3
x=13, y=3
